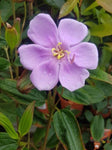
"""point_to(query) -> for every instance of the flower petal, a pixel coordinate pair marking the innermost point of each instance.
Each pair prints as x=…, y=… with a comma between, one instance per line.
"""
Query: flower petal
x=85, y=55
x=32, y=55
x=72, y=77
x=72, y=31
x=45, y=76
x=43, y=31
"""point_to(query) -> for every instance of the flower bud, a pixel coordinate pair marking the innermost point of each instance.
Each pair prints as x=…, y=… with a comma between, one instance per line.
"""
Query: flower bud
x=11, y=36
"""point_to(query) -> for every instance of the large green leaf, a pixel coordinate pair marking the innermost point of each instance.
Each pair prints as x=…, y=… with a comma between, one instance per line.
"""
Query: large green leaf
x=67, y=8
x=6, y=143
x=4, y=64
x=97, y=127
x=26, y=120
x=101, y=75
x=86, y=95
x=5, y=122
x=67, y=130
x=9, y=87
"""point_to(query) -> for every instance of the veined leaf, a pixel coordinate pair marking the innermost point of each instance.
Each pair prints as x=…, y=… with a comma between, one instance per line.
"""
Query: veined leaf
x=97, y=127
x=101, y=75
x=67, y=8
x=7, y=125
x=67, y=130
x=26, y=120
x=6, y=143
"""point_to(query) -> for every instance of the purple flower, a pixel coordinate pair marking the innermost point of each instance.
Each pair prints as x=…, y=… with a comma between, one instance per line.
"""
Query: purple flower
x=58, y=53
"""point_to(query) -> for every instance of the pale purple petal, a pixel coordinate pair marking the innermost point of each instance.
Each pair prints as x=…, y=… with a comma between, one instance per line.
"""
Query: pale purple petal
x=43, y=31
x=85, y=55
x=32, y=55
x=72, y=77
x=71, y=31
x=45, y=76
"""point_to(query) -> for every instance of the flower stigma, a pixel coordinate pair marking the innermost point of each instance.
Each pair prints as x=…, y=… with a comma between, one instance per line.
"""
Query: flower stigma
x=59, y=52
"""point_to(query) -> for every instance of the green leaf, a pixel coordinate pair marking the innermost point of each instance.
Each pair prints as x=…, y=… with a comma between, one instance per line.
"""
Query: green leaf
x=88, y=115
x=4, y=64
x=6, y=143
x=106, y=57
x=67, y=7
x=26, y=120
x=55, y=3
x=10, y=88
x=2, y=42
x=101, y=75
x=86, y=95
x=100, y=30
x=106, y=4
x=108, y=146
x=38, y=135
x=97, y=127
x=93, y=5
x=105, y=87
x=108, y=124
x=7, y=125
x=10, y=113
x=67, y=130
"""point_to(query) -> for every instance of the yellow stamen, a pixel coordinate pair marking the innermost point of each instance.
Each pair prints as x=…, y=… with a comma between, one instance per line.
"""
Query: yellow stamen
x=59, y=52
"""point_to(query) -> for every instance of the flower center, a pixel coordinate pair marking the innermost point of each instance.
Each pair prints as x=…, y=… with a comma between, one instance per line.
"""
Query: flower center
x=59, y=52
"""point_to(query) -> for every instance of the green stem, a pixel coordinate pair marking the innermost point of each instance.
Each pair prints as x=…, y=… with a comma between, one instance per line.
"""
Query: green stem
x=24, y=20
x=47, y=131
x=13, y=9
x=32, y=145
x=10, y=68
x=30, y=9
x=28, y=140
x=16, y=68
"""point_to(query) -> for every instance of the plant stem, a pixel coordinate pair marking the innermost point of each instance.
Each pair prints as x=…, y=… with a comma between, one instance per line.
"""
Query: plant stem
x=30, y=9
x=13, y=9
x=10, y=68
x=33, y=146
x=47, y=131
x=24, y=17
x=28, y=140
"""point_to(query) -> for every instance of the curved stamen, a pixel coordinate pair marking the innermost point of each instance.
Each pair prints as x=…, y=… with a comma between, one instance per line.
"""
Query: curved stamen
x=59, y=52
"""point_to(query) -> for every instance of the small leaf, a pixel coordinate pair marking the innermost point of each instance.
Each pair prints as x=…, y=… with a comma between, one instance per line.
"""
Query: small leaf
x=6, y=143
x=88, y=115
x=67, y=130
x=4, y=64
x=26, y=120
x=67, y=7
x=106, y=4
x=7, y=125
x=97, y=127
